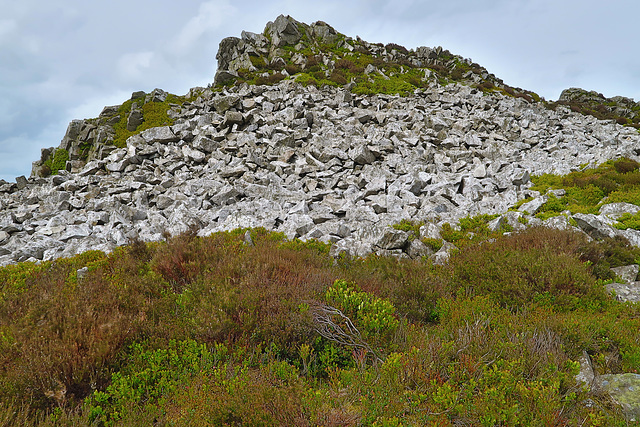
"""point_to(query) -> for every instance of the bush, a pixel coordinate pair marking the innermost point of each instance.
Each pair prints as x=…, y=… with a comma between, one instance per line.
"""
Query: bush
x=626, y=165
x=515, y=269
x=338, y=77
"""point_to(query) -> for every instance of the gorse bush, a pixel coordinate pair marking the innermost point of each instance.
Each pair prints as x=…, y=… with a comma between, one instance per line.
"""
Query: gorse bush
x=210, y=330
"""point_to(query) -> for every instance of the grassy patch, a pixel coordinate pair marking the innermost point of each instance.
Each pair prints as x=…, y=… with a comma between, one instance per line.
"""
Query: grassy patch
x=588, y=190
x=154, y=115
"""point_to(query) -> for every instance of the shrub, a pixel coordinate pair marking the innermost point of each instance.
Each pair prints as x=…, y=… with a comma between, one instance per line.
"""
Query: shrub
x=626, y=165
x=391, y=46
x=338, y=77
x=376, y=315
x=292, y=69
x=516, y=268
x=55, y=163
x=271, y=79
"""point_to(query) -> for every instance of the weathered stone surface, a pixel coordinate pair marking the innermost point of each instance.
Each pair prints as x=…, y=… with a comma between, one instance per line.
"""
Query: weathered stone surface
x=616, y=210
x=393, y=239
x=628, y=273
x=623, y=389
x=594, y=226
x=160, y=134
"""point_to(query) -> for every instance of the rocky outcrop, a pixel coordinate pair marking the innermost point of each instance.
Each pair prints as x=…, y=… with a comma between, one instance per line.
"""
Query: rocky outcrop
x=321, y=163
x=91, y=140
x=313, y=163
x=619, y=108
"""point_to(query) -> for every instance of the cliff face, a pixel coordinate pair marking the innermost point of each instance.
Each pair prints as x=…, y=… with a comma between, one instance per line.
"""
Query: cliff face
x=406, y=137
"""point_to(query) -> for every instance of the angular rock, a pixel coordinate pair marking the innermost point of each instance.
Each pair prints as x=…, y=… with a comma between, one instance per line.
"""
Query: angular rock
x=594, y=226
x=623, y=390
x=393, y=239
x=162, y=135
x=628, y=273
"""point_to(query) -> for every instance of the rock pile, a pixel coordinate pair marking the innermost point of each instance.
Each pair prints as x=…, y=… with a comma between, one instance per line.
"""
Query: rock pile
x=313, y=163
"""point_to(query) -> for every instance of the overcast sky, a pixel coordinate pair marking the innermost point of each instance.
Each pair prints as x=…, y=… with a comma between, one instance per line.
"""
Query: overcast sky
x=66, y=59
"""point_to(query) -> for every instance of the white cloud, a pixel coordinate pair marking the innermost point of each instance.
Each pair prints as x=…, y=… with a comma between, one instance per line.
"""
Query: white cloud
x=132, y=66
x=211, y=15
x=92, y=107
x=7, y=27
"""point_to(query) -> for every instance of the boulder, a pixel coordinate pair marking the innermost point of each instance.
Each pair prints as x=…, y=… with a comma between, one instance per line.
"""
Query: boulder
x=393, y=239
x=628, y=273
x=623, y=390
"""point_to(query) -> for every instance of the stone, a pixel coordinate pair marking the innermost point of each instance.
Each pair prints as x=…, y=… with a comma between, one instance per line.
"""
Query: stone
x=616, y=210
x=193, y=155
x=534, y=205
x=284, y=31
x=594, y=226
x=586, y=376
x=393, y=239
x=362, y=155
x=417, y=249
x=521, y=177
x=134, y=119
x=623, y=390
x=21, y=182
x=628, y=273
x=224, y=103
x=233, y=118
x=442, y=256
x=430, y=231
x=161, y=134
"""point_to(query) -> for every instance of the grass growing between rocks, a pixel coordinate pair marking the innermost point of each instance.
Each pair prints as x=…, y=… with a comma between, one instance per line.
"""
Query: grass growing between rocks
x=211, y=331
x=154, y=115
x=586, y=191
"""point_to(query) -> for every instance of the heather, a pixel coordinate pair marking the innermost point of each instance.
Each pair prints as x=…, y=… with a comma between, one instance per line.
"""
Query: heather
x=217, y=331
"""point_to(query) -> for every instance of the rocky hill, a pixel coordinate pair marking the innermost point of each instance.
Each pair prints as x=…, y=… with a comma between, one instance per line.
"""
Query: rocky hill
x=320, y=136
x=311, y=133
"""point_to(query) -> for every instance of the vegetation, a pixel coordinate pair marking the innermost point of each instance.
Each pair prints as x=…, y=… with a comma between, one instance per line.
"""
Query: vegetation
x=586, y=191
x=213, y=331
x=602, y=108
x=368, y=71
x=56, y=162
x=154, y=115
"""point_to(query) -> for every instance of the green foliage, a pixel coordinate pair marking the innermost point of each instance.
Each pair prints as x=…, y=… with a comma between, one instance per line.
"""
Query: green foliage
x=412, y=227
x=628, y=220
x=515, y=269
x=154, y=114
x=394, y=85
x=587, y=190
x=434, y=244
x=57, y=162
x=473, y=229
x=147, y=376
x=450, y=234
x=376, y=315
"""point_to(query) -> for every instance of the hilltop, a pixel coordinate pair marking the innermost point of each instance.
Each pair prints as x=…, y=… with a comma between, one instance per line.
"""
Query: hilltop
x=328, y=215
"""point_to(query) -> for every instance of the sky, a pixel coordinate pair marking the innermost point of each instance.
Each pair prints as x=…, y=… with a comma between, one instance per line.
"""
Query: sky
x=67, y=59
